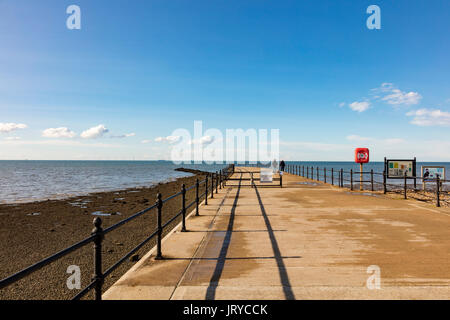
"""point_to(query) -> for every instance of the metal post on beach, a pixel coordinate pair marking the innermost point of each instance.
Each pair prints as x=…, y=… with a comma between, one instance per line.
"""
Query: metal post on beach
x=318, y=177
x=332, y=176
x=384, y=182
x=342, y=178
x=159, y=205
x=98, y=274
x=325, y=175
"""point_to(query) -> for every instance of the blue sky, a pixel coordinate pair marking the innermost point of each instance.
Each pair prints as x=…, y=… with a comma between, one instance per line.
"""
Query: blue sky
x=145, y=68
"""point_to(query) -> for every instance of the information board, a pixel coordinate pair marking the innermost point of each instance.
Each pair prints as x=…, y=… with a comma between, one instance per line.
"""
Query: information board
x=396, y=169
x=430, y=173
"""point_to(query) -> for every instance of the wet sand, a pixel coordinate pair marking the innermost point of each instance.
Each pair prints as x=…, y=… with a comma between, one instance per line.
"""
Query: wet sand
x=30, y=232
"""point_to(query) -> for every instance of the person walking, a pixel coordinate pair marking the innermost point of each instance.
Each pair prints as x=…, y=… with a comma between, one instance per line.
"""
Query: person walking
x=282, y=165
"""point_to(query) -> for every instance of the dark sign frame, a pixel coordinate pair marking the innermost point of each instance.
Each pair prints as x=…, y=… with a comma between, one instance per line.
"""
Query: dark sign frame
x=414, y=173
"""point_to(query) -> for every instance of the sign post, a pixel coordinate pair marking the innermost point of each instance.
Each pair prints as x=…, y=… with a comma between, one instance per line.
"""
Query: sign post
x=361, y=156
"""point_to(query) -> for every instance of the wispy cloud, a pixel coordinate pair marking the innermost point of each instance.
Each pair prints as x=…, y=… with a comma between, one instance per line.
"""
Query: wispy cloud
x=398, y=97
x=429, y=117
x=205, y=140
x=127, y=135
x=359, y=106
x=9, y=127
x=388, y=93
x=169, y=139
x=61, y=132
x=94, y=132
x=386, y=141
x=62, y=143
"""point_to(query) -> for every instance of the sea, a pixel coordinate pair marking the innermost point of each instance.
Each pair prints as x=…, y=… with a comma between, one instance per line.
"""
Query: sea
x=28, y=180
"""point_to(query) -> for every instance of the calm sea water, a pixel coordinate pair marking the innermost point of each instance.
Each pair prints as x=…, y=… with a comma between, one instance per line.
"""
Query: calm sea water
x=24, y=181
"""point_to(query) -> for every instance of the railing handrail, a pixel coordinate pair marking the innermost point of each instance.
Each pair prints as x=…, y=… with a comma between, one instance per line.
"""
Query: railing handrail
x=99, y=234
x=300, y=171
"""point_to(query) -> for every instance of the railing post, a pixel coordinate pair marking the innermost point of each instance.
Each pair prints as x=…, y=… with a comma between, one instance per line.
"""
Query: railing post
x=197, y=200
x=332, y=176
x=217, y=182
x=183, y=206
x=98, y=274
x=351, y=179
x=324, y=175
x=307, y=172
x=303, y=171
x=342, y=177
x=206, y=189
x=212, y=185
x=438, y=186
x=220, y=179
x=371, y=179
x=318, y=177
x=159, y=205
x=281, y=180
x=312, y=173
x=384, y=182
x=405, y=186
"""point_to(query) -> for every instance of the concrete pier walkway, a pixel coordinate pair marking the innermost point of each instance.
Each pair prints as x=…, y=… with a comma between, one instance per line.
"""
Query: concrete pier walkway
x=307, y=240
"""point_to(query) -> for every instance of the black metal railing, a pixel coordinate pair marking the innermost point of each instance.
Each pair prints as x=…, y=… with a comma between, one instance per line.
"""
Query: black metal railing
x=329, y=176
x=98, y=233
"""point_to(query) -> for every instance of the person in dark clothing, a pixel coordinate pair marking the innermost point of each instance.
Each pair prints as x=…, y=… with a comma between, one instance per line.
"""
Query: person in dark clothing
x=282, y=165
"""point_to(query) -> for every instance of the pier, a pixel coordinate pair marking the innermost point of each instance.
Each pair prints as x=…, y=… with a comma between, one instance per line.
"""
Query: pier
x=299, y=239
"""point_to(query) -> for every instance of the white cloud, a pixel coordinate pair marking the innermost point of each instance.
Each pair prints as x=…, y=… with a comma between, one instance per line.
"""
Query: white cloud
x=59, y=143
x=342, y=104
x=94, y=132
x=127, y=135
x=12, y=138
x=398, y=97
x=428, y=117
x=359, y=106
x=205, y=140
x=169, y=139
x=8, y=127
x=146, y=141
x=61, y=132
